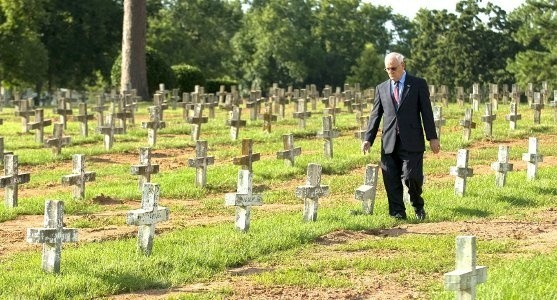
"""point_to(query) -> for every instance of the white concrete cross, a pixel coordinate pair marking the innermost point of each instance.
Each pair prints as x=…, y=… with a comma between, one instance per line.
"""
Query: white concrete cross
x=235, y=122
x=64, y=110
x=467, y=275
x=243, y=200
x=248, y=157
x=83, y=117
x=78, y=177
x=502, y=166
x=39, y=125
x=100, y=109
x=196, y=121
x=11, y=180
x=311, y=192
x=200, y=163
x=328, y=134
x=109, y=130
x=537, y=105
x=532, y=158
x=52, y=235
x=145, y=168
x=461, y=171
x=24, y=109
x=2, y=152
x=301, y=113
x=362, y=120
x=366, y=192
x=58, y=139
x=153, y=125
x=147, y=217
x=438, y=119
x=290, y=152
x=468, y=124
x=513, y=116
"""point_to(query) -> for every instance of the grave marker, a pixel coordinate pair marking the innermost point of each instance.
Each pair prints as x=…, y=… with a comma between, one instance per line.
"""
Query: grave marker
x=64, y=110
x=2, y=153
x=52, y=235
x=248, y=157
x=438, y=119
x=58, y=139
x=109, y=130
x=328, y=134
x=153, y=125
x=39, y=125
x=467, y=275
x=100, y=109
x=476, y=97
x=200, y=163
x=268, y=117
x=235, y=122
x=196, y=121
x=290, y=152
x=366, y=192
x=532, y=158
x=144, y=169
x=461, y=171
x=467, y=124
x=243, y=199
x=83, y=117
x=24, y=110
x=488, y=119
x=311, y=192
x=147, y=217
x=513, y=116
x=78, y=177
x=537, y=105
x=502, y=166
x=11, y=180
x=361, y=133
x=554, y=105
x=301, y=114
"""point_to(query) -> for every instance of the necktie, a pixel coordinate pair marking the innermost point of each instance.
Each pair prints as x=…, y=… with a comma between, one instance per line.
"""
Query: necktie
x=396, y=93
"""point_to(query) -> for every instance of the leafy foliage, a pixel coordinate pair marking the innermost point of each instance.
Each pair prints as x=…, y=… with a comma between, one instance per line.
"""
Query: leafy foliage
x=187, y=77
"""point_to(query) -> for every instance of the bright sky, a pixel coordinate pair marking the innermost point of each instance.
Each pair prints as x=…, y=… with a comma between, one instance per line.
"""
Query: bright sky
x=410, y=7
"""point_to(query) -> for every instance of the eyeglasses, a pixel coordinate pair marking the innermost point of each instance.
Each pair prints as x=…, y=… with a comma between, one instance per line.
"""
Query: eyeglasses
x=392, y=69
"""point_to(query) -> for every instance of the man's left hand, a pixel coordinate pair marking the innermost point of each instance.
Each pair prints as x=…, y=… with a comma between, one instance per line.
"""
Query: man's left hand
x=434, y=145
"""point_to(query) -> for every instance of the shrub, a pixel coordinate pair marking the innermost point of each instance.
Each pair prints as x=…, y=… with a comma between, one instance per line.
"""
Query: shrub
x=213, y=85
x=187, y=77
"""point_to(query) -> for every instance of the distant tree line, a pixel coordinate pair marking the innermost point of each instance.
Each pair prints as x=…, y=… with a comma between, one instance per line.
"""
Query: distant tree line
x=48, y=44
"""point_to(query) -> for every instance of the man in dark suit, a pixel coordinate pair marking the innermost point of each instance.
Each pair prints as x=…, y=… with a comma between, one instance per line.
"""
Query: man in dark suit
x=403, y=103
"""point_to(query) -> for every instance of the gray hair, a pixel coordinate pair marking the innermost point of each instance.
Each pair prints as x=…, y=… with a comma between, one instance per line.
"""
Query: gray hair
x=397, y=56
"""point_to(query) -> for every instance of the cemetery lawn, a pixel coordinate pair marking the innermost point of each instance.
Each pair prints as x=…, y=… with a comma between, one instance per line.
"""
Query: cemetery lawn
x=345, y=254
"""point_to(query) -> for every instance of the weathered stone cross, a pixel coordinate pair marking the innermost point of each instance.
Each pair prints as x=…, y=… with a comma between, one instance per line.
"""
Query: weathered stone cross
x=24, y=110
x=248, y=157
x=362, y=120
x=100, y=109
x=52, y=235
x=513, y=116
x=438, y=119
x=366, y=192
x=83, y=117
x=328, y=134
x=243, y=199
x=311, y=192
x=302, y=114
x=145, y=168
x=58, y=139
x=488, y=119
x=109, y=130
x=196, y=121
x=532, y=158
x=200, y=163
x=2, y=152
x=11, y=179
x=64, y=110
x=468, y=124
x=39, y=125
x=235, y=122
x=268, y=117
x=147, y=217
x=154, y=124
x=467, y=275
x=502, y=166
x=290, y=152
x=537, y=105
x=461, y=171
x=78, y=177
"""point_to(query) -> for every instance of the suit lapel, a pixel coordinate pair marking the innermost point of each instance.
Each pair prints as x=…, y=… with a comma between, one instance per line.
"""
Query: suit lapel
x=407, y=87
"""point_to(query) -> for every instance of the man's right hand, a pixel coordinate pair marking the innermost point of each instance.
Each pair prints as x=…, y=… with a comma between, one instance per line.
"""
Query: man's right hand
x=365, y=146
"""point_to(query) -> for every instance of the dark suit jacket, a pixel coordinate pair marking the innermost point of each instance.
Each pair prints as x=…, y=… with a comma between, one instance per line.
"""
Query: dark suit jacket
x=414, y=116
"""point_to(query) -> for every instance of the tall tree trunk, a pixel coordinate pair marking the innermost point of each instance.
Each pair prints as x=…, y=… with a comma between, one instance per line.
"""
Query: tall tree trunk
x=134, y=70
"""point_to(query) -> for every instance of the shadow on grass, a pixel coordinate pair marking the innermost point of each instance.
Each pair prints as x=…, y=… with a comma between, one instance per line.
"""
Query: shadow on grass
x=517, y=201
x=546, y=191
x=471, y=212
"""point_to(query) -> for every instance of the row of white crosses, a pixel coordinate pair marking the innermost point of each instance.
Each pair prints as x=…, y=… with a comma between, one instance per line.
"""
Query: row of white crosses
x=501, y=166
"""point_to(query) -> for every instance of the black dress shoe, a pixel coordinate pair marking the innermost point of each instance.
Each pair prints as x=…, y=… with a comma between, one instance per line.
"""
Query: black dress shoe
x=420, y=214
x=399, y=216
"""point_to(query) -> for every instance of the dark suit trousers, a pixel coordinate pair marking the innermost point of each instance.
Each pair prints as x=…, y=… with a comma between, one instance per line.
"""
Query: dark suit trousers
x=399, y=166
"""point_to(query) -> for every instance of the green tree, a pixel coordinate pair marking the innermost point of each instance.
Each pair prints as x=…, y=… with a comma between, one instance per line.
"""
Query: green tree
x=368, y=69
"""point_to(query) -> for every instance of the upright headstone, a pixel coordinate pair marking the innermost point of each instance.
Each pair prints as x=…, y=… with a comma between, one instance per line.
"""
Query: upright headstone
x=301, y=114
x=78, y=177
x=328, y=134
x=438, y=119
x=109, y=130
x=153, y=125
x=200, y=163
x=52, y=235
x=235, y=122
x=311, y=192
x=268, y=117
x=243, y=200
x=196, y=121
x=12, y=179
x=290, y=152
x=537, y=106
x=467, y=275
x=366, y=192
x=532, y=158
x=502, y=166
x=488, y=119
x=467, y=124
x=58, y=139
x=147, y=217
x=24, y=109
x=476, y=97
x=39, y=125
x=64, y=110
x=461, y=171
x=248, y=157
x=144, y=169
x=513, y=116
x=83, y=117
